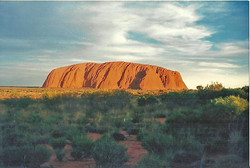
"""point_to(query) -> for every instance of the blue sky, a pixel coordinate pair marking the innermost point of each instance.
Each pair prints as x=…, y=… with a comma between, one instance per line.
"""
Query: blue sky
x=204, y=41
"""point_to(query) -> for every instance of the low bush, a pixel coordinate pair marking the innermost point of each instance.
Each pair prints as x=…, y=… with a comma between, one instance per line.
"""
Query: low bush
x=76, y=153
x=26, y=155
x=146, y=100
x=82, y=146
x=158, y=143
x=109, y=154
x=34, y=118
x=141, y=134
x=82, y=120
x=153, y=161
x=39, y=139
x=58, y=143
x=12, y=136
x=118, y=136
x=137, y=115
x=13, y=155
x=40, y=154
x=189, y=143
x=73, y=130
x=238, y=145
x=58, y=133
x=23, y=102
x=231, y=161
x=217, y=144
x=60, y=153
x=185, y=158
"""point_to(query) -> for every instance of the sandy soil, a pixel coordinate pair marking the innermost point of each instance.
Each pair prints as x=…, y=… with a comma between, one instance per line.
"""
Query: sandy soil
x=161, y=120
x=135, y=151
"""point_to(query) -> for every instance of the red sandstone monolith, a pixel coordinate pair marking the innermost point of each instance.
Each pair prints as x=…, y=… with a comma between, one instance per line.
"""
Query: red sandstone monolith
x=115, y=75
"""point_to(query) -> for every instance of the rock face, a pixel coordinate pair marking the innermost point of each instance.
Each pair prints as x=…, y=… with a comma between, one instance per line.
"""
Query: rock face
x=115, y=75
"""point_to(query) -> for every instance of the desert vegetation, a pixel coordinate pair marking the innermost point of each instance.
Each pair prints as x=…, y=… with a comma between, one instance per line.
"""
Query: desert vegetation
x=207, y=127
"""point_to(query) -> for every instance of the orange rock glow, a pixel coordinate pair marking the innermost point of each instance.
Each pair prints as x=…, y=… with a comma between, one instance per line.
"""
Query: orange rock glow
x=115, y=75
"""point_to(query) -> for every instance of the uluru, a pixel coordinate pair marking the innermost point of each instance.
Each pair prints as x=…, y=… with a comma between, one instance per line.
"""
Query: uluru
x=115, y=75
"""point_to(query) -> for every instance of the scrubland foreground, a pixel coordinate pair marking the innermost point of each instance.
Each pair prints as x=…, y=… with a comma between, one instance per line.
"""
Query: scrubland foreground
x=207, y=128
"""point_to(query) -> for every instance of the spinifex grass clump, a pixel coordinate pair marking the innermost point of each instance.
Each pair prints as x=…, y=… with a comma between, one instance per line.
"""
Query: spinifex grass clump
x=82, y=146
x=108, y=153
x=154, y=161
x=158, y=143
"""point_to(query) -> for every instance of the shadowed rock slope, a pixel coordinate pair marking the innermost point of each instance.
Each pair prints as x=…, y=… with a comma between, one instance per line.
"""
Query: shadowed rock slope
x=115, y=75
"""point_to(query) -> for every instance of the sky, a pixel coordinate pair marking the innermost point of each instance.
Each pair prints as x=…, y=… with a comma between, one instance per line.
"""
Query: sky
x=205, y=41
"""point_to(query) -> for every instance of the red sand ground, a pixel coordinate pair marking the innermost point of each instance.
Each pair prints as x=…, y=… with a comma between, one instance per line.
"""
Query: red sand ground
x=115, y=75
x=135, y=151
x=161, y=120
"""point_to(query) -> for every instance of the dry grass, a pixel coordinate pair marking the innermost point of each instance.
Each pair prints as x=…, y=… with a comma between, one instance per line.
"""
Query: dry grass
x=36, y=93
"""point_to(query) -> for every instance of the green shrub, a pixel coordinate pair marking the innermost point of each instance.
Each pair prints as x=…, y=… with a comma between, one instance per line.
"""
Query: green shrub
x=76, y=153
x=137, y=115
x=81, y=145
x=216, y=115
x=217, y=144
x=109, y=154
x=158, y=143
x=237, y=103
x=237, y=144
x=73, y=130
x=39, y=139
x=13, y=155
x=82, y=120
x=153, y=161
x=12, y=136
x=26, y=155
x=133, y=131
x=159, y=114
x=41, y=154
x=147, y=100
x=189, y=143
x=60, y=153
x=35, y=118
x=231, y=161
x=183, y=98
x=58, y=143
x=118, y=122
x=141, y=134
x=58, y=133
x=55, y=119
x=23, y=102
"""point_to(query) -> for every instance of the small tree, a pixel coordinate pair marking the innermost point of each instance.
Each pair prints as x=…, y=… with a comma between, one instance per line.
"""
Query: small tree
x=214, y=86
x=199, y=87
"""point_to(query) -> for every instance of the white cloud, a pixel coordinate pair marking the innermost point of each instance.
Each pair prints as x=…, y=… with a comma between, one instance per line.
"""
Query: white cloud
x=108, y=24
x=218, y=65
